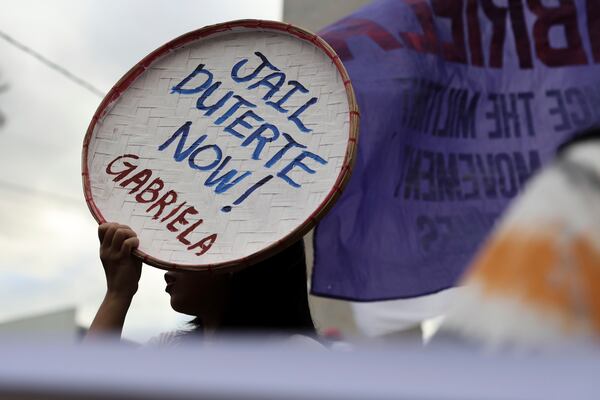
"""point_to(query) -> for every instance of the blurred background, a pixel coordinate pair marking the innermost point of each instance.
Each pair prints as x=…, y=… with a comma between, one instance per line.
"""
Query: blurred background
x=58, y=59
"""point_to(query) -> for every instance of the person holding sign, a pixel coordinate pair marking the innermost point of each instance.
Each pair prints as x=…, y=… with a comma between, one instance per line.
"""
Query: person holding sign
x=268, y=296
x=220, y=161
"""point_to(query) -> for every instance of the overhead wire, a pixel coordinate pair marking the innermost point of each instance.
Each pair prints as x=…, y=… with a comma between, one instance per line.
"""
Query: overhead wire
x=52, y=65
x=14, y=187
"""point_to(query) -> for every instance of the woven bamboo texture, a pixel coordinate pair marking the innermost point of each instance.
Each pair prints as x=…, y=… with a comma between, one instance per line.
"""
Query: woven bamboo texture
x=142, y=112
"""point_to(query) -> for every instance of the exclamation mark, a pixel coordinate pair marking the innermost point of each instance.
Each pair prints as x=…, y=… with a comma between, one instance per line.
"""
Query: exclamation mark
x=248, y=192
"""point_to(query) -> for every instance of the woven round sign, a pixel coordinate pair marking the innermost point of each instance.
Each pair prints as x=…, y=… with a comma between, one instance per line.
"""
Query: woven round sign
x=224, y=145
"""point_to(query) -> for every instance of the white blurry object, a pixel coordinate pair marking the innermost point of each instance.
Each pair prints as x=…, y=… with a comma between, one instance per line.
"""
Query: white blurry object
x=381, y=318
x=536, y=282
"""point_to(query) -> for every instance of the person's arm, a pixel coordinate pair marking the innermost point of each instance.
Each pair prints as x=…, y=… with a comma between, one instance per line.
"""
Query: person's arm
x=123, y=271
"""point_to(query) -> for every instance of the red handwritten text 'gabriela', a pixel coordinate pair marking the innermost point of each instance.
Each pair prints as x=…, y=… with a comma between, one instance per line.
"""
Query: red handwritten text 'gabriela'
x=162, y=202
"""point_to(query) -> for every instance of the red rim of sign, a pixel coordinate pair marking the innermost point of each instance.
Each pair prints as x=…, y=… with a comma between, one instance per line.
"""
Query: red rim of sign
x=123, y=84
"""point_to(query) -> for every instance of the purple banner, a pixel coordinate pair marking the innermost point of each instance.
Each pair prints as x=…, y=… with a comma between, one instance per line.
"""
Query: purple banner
x=461, y=102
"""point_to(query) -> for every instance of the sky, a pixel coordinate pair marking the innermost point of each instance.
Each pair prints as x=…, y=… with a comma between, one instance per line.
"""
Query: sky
x=48, y=243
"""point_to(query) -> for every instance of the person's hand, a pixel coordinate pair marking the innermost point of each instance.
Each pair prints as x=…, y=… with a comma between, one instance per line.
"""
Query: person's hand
x=122, y=268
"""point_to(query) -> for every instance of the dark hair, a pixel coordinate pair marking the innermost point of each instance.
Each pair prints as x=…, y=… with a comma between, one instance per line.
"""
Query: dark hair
x=269, y=296
x=592, y=133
